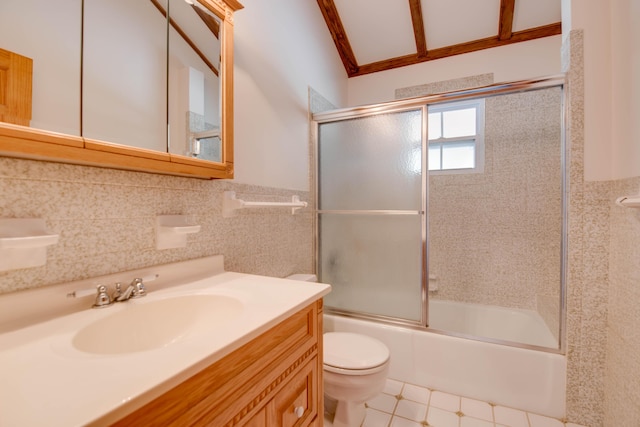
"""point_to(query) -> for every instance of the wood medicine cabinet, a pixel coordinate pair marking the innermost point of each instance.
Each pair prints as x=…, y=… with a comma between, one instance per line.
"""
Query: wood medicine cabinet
x=146, y=111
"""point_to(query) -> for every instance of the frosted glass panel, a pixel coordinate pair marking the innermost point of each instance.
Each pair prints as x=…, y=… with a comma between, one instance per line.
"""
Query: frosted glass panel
x=373, y=263
x=363, y=163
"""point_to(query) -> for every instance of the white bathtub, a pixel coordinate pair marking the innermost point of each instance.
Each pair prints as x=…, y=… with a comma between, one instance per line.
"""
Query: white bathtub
x=520, y=378
x=501, y=323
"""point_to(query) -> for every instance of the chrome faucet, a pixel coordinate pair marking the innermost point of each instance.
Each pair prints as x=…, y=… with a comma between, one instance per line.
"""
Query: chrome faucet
x=135, y=289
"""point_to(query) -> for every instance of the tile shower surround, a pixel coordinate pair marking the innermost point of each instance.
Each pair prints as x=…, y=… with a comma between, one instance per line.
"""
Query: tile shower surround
x=106, y=218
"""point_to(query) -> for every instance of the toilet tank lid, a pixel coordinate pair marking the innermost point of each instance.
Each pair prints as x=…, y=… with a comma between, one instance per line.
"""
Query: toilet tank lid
x=349, y=350
x=303, y=277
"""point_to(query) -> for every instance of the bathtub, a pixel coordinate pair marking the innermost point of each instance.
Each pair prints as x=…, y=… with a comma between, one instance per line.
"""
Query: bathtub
x=500, y=323
x=521, y=378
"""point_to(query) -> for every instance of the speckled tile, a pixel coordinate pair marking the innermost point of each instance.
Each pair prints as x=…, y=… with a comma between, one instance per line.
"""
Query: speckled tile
x=106, y=222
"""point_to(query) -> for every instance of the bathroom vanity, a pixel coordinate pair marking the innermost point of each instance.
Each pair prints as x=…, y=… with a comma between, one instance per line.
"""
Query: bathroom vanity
x=204, y=347
x=274, y=380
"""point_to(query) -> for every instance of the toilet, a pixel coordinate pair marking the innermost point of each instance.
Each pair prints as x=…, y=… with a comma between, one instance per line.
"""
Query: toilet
x=355, y=370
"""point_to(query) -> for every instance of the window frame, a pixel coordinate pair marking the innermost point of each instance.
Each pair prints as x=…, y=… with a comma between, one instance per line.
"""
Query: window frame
x=478, y=138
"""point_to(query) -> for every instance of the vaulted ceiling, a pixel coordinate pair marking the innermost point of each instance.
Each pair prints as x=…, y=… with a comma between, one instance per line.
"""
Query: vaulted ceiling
x=378, y=35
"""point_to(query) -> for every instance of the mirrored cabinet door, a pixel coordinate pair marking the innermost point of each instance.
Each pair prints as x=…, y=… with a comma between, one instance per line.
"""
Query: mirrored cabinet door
x=134, y=84
x=195, y=44
x=40, y=44
x=125, y=73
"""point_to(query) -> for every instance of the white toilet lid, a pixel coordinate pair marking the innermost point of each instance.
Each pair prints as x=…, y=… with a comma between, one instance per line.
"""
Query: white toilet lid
x=348, y=350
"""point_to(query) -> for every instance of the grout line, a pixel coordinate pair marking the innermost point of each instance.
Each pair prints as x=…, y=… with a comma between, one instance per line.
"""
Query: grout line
x=493, y=421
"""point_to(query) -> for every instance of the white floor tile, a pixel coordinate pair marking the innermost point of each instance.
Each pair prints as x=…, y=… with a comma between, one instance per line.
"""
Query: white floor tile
x=541, y=421
x=415, y=393
x=440, y=418
x=383, y=402
x=403, y=422
x=411, y=410
x=510, y=417
x=393, y=387
x=375, y=419
x=475, y=422
x=446, y=401
x=476, y=409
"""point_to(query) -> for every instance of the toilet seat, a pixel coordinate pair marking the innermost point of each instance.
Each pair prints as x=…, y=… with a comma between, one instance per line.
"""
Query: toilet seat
x=353, y=354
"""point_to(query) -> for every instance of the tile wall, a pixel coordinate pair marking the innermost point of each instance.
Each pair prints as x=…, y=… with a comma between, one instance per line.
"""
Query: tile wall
x=494, y=237
x=106, y=217
x=622, y=363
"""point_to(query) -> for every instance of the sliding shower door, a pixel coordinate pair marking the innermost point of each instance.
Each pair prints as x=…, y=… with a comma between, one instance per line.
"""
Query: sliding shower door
x=371, y=204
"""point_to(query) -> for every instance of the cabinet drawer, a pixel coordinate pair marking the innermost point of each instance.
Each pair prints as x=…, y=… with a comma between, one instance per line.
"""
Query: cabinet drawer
x=295, y=405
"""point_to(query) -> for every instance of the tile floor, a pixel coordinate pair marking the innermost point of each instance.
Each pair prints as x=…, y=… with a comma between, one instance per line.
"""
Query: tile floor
x=407, y=405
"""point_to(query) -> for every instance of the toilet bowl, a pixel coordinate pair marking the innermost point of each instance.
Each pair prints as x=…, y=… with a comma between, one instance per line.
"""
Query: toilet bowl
x=355, y=370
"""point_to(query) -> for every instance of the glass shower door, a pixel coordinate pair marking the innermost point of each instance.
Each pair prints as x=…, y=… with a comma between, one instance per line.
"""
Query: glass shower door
x=371, y=228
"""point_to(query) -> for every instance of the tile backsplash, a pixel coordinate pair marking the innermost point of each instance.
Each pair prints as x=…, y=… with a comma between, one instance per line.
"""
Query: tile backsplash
x=106, y=218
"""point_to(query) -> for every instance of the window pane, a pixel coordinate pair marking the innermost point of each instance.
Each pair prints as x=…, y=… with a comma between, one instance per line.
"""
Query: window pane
x=435, y=130
x=458, y=155
x=457, y=123
x=434, y=157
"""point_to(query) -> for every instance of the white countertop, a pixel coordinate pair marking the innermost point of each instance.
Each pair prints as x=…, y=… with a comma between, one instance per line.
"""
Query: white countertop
x=46, y=381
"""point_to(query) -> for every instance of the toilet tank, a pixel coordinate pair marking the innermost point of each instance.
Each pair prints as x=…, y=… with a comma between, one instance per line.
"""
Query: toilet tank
x=303, y=277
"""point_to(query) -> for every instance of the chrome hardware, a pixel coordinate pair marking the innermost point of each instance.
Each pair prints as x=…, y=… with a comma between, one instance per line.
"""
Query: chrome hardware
x=102, y=299
x=117, y=292
x=135, y=289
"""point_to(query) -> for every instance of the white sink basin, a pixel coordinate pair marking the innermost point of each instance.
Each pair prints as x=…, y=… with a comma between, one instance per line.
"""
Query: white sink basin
x=142, y=326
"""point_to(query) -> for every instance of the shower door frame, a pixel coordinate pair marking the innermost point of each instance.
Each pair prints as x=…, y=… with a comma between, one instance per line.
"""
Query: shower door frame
x=422, y=103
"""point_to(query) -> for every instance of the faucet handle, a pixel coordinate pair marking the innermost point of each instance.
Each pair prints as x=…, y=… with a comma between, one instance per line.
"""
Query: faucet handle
x=138, y=288
x=102, y=299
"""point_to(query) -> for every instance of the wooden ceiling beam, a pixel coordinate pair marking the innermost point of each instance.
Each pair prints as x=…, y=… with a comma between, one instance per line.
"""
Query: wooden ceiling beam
x=212, y=24
x=506, y=19
x=186, y=38
x=418, y=27
x=339, y=35
x=458, y=49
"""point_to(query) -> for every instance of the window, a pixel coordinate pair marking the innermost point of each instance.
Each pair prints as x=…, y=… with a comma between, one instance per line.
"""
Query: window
x=456, y=137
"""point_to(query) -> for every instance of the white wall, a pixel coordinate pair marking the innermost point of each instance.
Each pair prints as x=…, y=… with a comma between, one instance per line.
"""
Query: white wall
x=611, y=85
x=519, y=61
x=281, y=48
x=625, y=52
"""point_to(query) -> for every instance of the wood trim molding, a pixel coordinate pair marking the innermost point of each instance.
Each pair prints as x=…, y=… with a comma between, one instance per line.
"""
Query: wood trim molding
x=24, y=142
x=266, y=392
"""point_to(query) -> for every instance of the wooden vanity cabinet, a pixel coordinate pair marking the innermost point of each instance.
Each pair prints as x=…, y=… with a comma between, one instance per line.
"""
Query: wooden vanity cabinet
x=274, y=380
